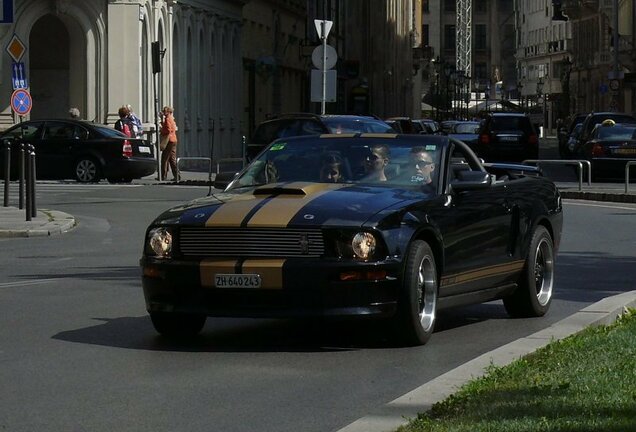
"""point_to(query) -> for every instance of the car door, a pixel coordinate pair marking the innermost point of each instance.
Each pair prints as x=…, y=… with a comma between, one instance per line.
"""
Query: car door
x=476, y=231
x=54, y=150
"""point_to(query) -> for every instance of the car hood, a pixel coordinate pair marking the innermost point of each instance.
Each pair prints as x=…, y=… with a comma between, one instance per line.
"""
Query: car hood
x=291, y=204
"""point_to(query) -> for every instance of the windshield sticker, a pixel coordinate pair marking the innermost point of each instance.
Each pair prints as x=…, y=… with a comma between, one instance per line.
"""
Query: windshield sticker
x=431, y=147
x=277, y=147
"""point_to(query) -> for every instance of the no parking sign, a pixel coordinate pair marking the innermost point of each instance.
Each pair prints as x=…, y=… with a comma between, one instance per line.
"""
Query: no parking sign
x=21, y=102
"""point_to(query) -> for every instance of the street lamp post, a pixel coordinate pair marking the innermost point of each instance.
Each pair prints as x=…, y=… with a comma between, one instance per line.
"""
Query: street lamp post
x=487, y=95
x=520, y=95
x=565, y=83
x=539, y=96
x=448, y=70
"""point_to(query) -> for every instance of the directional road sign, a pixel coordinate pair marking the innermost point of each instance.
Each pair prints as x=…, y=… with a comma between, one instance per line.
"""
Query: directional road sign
x=21, y=102
x=18, y=76
x=6, y=11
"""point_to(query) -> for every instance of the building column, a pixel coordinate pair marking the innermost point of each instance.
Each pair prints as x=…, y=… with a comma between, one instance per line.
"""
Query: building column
x=123, y=54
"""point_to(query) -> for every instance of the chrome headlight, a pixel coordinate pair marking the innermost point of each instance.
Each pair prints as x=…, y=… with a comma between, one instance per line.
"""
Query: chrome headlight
x=160, y=242
x=363, y=245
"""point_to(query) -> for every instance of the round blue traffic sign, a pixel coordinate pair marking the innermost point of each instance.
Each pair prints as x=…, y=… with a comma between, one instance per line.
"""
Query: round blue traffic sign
x=21, y=102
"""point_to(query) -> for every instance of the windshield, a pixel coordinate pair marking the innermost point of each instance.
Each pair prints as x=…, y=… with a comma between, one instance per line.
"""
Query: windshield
x=339, y=125
x=108, y=132
x=466, y=128
x=615, y=133
x=361, y=160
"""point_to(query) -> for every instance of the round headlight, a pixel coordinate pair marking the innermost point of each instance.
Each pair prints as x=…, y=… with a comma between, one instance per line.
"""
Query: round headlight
x=160, y=241
x=363, y=245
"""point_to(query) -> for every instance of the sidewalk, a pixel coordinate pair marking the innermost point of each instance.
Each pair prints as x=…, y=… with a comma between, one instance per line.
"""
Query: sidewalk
x=13, y=223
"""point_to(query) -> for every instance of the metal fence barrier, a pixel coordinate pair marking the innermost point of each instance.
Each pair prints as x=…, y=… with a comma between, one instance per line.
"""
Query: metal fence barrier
x=230, y=160
x=202, y=159
x=578, y=163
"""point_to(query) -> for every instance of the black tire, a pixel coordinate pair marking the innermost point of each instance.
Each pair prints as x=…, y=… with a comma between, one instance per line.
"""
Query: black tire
x=533, y=296
x=87, y=170
x=417, y=300
x=177, y=325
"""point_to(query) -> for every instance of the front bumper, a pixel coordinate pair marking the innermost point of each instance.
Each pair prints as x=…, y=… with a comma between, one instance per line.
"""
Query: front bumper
x=310, y=288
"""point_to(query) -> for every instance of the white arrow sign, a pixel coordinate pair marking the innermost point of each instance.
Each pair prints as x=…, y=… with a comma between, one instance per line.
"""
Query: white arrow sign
x=323, y=27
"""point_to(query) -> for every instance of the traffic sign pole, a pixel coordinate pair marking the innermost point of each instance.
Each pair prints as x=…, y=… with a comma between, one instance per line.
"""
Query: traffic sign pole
x=323, y=103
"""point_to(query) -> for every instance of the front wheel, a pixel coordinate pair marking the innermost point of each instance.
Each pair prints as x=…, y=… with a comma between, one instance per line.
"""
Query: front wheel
x=177, y=325
x=417, y=301
x=533, y=296
x=87, y=170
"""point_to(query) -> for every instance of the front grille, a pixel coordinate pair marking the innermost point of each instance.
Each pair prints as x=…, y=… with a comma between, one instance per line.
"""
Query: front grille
x=250, y=242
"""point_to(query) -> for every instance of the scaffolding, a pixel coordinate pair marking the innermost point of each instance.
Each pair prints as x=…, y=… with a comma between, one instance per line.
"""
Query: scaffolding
x=464, y=26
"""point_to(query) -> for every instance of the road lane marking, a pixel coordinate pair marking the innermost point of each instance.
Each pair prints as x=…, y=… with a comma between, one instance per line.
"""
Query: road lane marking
x=584, y=204
x=27, y=283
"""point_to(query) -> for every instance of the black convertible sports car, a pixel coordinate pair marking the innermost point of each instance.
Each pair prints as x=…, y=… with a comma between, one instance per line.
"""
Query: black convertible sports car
x=358, y=225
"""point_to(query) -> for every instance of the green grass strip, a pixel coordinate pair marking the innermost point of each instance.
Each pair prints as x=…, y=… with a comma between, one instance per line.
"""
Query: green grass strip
x=586, y=382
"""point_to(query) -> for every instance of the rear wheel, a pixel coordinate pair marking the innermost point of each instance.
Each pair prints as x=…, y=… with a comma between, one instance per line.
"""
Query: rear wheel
x=533, y=296
x=87, y=170
x=176, y=325
x=417, y=302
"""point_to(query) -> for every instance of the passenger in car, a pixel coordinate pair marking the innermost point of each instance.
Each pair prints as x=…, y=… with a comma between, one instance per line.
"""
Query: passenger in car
x=332, y=169
x=376, y=162
x=422, y=167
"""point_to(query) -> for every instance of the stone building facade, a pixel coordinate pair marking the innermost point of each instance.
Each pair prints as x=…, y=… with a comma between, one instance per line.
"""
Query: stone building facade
x=96, y=55
x=594, y=57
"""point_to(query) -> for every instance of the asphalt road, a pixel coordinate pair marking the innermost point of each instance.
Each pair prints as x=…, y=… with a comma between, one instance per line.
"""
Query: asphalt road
x=78, y=353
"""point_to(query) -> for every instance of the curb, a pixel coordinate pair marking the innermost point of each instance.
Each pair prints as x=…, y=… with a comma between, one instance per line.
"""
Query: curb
x=57, y=223
x=599, y=196
x=401, y=410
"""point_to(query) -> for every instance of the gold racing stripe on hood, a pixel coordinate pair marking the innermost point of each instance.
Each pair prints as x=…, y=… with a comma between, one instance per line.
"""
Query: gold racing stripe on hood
x=482, y=273
x=270, y=270
x=232, y=213
x=282, y=208
x=210, y=267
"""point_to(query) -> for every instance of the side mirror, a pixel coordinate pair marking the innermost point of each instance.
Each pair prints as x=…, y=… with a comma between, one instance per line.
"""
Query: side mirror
x=222, y=180
x=471, y=180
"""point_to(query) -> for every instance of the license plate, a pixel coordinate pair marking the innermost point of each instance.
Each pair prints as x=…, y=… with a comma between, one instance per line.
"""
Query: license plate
x=144, y=149
x=237, y=280
x=508, y=138
x=625, y=151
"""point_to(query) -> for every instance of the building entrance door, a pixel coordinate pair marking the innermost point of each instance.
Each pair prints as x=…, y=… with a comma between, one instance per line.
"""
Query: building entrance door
x=49, y=58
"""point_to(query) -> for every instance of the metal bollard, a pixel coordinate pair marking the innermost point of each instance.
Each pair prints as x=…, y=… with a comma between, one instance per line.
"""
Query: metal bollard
x=21, y=180
x=27, y=172
x=7, y=171
x=34, y=210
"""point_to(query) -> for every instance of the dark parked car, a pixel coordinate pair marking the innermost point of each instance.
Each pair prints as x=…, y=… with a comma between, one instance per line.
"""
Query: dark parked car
x=507, y=137
x=281, y=242
x=81, y=150
x=608, y=150
x=566, y=134
x=299, y=124
x=430, y=126
x=595, y=118
x=466, y=131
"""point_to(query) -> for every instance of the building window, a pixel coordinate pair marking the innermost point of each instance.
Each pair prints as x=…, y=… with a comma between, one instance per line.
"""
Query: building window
x=449, y=6
x=480, y=37
x=449, y=37
x=425, y=37
x=481, y=6
x=425, y=6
